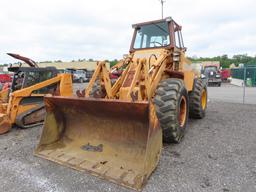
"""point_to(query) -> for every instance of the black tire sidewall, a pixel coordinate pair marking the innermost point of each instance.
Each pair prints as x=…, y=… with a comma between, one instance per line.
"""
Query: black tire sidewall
x=196, y=110
x=167, y=101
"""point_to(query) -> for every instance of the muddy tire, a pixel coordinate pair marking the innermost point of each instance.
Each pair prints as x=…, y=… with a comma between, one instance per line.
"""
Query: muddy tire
x=171, y=103
x=198, y=100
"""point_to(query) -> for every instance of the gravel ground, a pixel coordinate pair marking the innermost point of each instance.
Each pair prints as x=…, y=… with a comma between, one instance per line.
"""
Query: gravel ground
x=218, y=153
x=79, y=86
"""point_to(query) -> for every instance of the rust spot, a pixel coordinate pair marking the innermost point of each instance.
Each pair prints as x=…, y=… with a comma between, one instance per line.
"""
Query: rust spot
x=129, y=78
x=80, y=93
x=5, y=127
x=175, y=74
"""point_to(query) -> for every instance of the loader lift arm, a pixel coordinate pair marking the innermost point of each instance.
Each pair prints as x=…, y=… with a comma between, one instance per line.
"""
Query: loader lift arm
x=148, y=78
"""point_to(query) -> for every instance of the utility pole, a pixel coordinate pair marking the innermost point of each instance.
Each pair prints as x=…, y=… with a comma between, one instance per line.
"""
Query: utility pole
x=162, y=7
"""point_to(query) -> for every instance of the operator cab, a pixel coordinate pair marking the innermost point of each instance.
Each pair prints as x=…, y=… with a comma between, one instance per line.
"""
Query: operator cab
x=165, y=33
x=27, y=76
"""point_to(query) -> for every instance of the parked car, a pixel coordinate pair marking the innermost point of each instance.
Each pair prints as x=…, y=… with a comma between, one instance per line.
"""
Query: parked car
x=89, y=74
x=212, y=75
x=80, y=76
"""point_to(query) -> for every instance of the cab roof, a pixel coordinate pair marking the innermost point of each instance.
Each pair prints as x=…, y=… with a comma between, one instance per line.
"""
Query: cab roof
x=167, y=19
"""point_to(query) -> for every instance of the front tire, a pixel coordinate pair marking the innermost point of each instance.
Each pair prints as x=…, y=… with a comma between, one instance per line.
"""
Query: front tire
x=198, y=100
x=171, y=102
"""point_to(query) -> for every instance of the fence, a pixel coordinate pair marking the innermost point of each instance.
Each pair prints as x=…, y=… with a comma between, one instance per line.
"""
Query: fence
x=248, y=77
x=244, y=91
x=247, y=74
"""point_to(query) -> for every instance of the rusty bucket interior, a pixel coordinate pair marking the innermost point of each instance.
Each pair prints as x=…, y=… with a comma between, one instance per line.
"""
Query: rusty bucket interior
x=5, y=122
x=115, y=140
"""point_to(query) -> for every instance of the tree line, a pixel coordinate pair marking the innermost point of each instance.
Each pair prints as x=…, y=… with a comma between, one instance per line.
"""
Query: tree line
x=225, y=61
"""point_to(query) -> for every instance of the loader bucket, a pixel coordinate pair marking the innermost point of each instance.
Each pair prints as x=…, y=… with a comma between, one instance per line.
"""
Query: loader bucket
x=5, y=123
x=115, y=140
x=4, y=94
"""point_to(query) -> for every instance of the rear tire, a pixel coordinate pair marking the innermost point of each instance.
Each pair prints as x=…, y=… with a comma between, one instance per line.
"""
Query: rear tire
x=198, y=100
x=171, y=103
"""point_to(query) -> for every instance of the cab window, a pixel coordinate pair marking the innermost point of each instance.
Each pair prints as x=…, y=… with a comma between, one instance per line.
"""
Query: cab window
x=152, y=35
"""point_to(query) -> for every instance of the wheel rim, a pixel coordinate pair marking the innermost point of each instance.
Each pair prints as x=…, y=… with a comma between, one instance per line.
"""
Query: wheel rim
x=183, y=111
x=204, y=99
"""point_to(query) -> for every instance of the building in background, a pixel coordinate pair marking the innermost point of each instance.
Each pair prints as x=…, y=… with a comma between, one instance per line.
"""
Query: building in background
x=86, y=65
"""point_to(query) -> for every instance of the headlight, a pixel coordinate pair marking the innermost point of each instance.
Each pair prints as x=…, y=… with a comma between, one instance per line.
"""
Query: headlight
x=217, y=75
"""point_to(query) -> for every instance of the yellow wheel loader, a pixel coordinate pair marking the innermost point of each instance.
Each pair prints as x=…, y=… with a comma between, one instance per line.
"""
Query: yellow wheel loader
x=115, y=130
x=22, y=105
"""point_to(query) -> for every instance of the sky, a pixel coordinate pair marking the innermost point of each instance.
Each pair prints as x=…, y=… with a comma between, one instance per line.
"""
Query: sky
x=101, y=29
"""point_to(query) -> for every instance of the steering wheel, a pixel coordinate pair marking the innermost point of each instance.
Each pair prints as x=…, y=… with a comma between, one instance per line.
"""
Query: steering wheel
x=155, y=42
x=33, y=78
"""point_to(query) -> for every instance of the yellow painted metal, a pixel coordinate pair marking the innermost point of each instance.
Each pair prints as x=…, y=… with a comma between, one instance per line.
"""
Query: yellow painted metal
x=204, y=99
x=119, y=140
x=189, y=77
x=183, y=111
x=4, y=95
x=116, y=140
x=5, y=123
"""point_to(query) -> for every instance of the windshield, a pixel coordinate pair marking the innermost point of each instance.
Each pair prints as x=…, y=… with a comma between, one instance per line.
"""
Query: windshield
x=211, y=68
x=152, y=35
